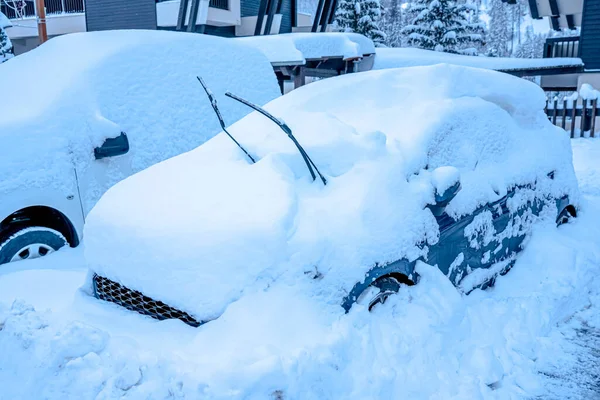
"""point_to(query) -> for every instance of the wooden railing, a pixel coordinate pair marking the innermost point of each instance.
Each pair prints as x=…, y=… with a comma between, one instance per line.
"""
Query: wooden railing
x=15, y=9
x=220, y=4
x=562, y=47
x=580, y=120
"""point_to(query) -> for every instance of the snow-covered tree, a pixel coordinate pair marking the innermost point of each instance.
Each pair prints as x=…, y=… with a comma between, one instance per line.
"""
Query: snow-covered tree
x=500, y=29
x=5, y=46
x=392, y=22
x=361, y=16
x=443, y=25
x=532, y=46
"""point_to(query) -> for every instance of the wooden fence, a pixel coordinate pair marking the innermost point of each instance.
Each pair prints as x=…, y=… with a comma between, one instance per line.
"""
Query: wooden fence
x=579, y=119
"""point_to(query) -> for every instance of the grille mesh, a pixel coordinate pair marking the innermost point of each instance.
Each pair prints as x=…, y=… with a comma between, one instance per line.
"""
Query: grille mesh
x=105, y=289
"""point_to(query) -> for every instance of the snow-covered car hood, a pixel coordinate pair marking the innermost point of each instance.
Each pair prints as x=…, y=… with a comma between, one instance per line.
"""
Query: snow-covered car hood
x=98, y=84
x=199, y=230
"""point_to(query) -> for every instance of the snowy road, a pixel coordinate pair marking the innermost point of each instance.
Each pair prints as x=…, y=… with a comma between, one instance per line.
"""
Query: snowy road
x=574, y=372
x=536, y=335
x=571, y=366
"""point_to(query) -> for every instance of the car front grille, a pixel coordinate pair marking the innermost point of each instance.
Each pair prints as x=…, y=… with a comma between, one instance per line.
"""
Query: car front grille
x=105, y=289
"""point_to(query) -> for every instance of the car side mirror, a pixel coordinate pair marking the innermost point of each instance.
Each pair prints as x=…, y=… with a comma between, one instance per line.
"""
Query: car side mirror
x=446, y=183
x=113, y=147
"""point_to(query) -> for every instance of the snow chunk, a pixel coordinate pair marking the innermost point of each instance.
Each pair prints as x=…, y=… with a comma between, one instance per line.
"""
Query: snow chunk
x=444, y=178
x=587, y=92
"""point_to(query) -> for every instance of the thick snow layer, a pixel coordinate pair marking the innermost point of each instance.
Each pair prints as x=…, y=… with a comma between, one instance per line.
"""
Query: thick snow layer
x=587, y=92
x=428, y=342
x=296, y=48
x=408, y=57
x=140, y=82
x=207, y=228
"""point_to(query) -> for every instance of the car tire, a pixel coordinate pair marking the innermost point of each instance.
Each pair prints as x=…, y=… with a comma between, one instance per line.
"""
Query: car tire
x=379, y=291
x=29, y=243
x=564, y=217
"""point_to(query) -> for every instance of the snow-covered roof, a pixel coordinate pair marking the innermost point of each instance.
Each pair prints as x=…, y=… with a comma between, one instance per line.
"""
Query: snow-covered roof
x=101, y=83
x=4, y=21
x=296, y=48
x=409, y=57
x=202, y=229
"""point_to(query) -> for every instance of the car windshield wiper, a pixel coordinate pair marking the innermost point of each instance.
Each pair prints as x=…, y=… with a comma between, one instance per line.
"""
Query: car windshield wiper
x=309, y=163
x=213, y=103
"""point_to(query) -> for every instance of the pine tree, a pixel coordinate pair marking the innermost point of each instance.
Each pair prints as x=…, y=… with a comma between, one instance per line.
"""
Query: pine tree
x=474, y=18
x=443, y=25
x=5, y=46
x=500, y=29
x=361, y=16
x=392, y=21
x=532, y=46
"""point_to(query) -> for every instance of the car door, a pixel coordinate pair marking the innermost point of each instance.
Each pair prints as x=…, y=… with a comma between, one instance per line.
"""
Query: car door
x=99, y=168
x=474, y=242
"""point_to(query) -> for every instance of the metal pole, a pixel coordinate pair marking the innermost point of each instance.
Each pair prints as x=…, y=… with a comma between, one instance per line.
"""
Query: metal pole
x=181, y=18
x=40, y=9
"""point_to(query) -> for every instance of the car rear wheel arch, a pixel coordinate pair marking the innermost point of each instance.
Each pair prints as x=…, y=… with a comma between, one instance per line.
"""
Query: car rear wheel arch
x=566, y=214
x=402, y=271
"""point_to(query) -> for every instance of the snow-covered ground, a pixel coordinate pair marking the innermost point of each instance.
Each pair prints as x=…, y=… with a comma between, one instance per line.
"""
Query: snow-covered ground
x=534, y=335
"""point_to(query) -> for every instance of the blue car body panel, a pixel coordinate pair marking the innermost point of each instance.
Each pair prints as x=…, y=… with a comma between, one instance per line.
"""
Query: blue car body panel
x=453, y=241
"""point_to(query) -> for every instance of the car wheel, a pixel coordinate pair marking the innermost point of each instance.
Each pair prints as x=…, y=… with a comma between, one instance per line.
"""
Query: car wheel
x=378, y=292
x=564, y=217
x=30, y=243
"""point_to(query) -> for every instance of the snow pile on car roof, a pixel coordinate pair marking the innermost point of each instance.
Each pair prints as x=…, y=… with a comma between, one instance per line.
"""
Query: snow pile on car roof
x=296, y=48
x=97, y=84
x=201, y=229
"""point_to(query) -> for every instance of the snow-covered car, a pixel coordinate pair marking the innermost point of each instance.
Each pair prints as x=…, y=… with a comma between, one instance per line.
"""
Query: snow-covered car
x=447, y=165
x=85, y=111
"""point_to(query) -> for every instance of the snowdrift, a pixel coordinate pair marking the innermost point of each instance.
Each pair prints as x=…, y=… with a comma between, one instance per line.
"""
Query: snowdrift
x=206, y=228
x=99, y=84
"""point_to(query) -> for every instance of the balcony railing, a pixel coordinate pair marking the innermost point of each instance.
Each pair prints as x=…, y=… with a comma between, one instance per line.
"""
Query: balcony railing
x=15, y=9
x=220, y=4
x=562, y=47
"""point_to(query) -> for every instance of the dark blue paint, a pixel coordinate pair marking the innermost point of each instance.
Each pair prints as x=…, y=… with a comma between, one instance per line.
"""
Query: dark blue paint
x=453, y=241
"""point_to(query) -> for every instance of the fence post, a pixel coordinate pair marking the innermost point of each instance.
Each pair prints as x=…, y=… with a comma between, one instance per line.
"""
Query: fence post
x=594, y=114
x=573, y=118
x=555, y=111
x=582, y=124
x=564, y=114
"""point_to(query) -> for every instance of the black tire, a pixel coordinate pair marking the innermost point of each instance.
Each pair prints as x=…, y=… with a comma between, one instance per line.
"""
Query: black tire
x=31, y=242
x=384, y=288
x=564, y=217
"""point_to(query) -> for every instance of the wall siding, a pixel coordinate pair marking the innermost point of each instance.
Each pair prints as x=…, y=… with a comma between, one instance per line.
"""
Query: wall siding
x=103, y=15
x=286, y=17
x=590, y=34
x=223, y=31
x=249, y=8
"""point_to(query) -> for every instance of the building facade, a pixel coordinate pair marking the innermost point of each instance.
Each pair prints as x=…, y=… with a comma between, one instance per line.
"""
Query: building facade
x=576, y=16
x=227, y=18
